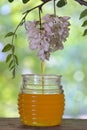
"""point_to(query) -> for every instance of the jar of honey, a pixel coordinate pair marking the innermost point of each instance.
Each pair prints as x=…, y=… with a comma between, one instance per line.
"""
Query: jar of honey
x=41, y=100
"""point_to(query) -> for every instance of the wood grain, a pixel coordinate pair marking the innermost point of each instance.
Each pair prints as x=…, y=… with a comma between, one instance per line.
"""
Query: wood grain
x=67, y=124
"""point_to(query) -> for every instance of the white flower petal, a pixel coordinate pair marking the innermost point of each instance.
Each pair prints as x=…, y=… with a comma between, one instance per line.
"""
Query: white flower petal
x=55, y=31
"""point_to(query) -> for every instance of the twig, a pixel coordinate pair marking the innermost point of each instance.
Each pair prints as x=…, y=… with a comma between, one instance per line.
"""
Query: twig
x=40, y=17
x=39, y=6
x=25, y=15
x=81, y=2
x=54, y=7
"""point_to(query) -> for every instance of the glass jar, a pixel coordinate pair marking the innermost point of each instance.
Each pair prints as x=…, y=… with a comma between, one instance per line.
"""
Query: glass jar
x=41, y=100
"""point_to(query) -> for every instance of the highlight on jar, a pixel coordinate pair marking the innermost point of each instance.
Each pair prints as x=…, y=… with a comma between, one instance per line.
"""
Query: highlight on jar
x=41, y=100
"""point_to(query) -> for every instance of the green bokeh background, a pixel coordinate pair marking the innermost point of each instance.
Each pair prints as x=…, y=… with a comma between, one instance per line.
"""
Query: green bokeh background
x=71, y=62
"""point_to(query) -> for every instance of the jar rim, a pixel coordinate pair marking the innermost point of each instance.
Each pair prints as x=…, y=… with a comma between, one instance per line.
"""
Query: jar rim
x=46, y=75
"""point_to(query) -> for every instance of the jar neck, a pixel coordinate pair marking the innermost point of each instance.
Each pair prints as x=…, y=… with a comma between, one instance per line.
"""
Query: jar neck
x=38, y=79
x=41, y=84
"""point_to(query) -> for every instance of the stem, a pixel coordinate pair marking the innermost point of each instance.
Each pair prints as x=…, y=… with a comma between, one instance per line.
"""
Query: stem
x=42, y=70
x=40, y=17
x=54, y=7
x=21, y=22
x=13, y=49
x=26, y=13
x=37, y=6
x=81, y=2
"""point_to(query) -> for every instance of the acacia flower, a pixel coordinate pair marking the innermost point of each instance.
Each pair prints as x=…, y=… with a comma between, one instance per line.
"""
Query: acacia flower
x=50, y=38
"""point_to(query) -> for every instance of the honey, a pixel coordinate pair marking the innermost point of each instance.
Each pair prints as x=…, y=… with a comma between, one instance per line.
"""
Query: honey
x=41, y=100
x=42, y=70
x=42, y=67
x=41, y=109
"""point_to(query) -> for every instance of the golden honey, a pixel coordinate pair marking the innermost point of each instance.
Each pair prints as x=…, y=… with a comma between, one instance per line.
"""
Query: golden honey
x=41, y=109
x=41, y=100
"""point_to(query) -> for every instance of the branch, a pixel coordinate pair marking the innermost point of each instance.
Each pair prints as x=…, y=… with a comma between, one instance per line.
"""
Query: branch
x=81, y=2
x=39, y=6
x=25, y=15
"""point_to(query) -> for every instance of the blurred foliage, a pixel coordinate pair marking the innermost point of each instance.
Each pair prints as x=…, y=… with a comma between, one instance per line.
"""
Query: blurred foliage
x=71, y=62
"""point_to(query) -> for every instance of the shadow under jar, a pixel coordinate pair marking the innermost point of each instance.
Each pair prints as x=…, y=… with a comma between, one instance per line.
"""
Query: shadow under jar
x=41, y=100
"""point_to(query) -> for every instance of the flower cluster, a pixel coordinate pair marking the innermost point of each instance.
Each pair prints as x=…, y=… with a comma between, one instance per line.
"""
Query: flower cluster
x=49, y=37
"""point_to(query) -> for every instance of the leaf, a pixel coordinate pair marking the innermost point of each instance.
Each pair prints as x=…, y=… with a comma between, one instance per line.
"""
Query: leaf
x=12, y=67
x=83, y=14
x=10, y=0
x=84, y=23
x=85, y=32
x=11, y=63
x=61, y=3
x=9, y=34
x=8, y=57
x=16, y=59
x=25, y=1
x=7, y=48
x=13, y=73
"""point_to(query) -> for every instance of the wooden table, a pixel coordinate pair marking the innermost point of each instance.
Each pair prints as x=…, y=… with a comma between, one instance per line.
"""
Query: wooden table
x=67, y=124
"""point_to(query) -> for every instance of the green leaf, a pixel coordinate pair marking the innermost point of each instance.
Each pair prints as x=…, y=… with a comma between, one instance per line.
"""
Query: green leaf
x=61, y=3
x=85, y=33
x=9, y=34
x=11, y=63
x=10, y=0
x=25, y=1
x=83, y=14
x=12, y=67
x=84, y=23
x=8, y=57
x=7, y=48
x=13, y=73
x=16, y=59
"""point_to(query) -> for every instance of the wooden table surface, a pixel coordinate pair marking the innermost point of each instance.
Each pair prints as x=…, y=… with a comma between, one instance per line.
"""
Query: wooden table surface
x=67, y=124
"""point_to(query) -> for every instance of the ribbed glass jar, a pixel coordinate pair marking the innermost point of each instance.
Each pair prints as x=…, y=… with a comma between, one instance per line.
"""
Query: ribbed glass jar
x=41, y=100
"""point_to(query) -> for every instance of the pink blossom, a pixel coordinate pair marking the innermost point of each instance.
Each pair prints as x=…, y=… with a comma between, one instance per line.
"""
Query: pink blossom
x=50, y=38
